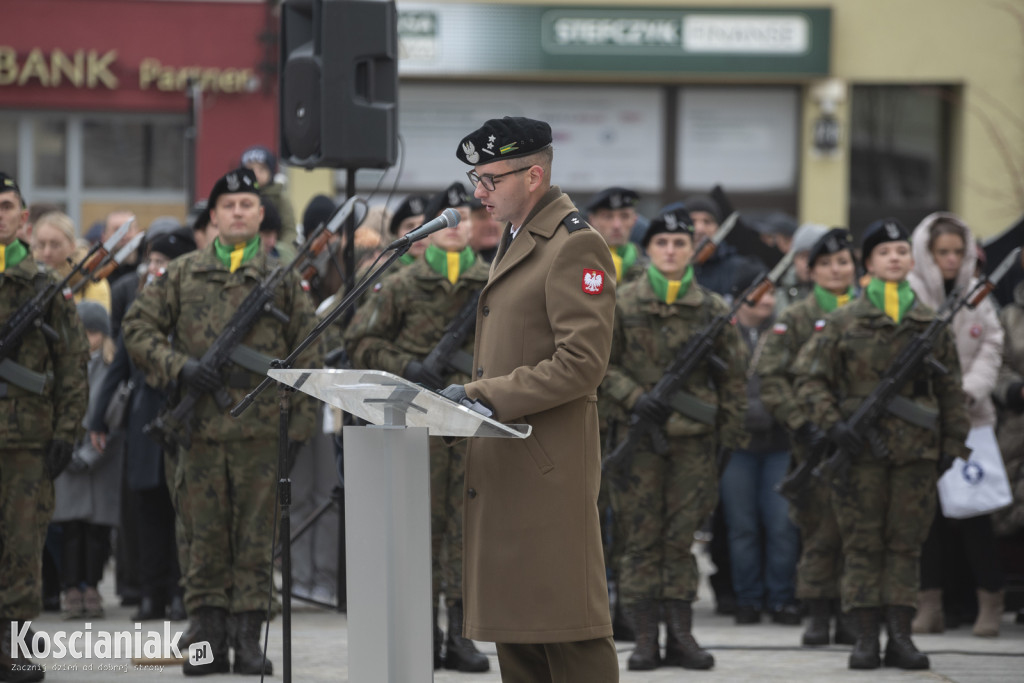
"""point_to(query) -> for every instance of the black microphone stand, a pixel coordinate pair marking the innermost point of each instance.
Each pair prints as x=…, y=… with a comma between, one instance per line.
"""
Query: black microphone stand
x=285, y=482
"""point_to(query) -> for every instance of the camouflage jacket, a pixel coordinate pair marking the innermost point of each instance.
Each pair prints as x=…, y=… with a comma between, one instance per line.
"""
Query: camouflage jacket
x=406, y=314
x=647, y=336
x=843, y=362
x=181, y=314
x=792, y=329
x=29, y=420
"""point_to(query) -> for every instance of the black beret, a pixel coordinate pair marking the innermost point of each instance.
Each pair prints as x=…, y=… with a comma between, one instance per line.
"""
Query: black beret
x=613, y=198
x=832, y=242
x=675, y=221
x=271, y=217
x=172, y=244
x=453, y=196
x=413, y=205
x=882, y=230
x=8, y=184
x=317, y=211
x=506, y=138
x=239, y=180
x=199, y=215
x=702, y=202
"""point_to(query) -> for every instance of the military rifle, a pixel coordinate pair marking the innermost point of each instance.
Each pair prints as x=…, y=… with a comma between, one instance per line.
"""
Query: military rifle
x=30, y=315
x=697, y=350
x=914, y=356
x=315, y=261
x=446, y=355
x=171, y=427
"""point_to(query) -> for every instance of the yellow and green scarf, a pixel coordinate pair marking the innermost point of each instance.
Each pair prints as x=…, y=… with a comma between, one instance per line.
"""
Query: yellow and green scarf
x=449, y=263
x=12, y=254
x=234, y=257
x=669, y=290
x=895, y=298
x=829, y=301
x=624, y=257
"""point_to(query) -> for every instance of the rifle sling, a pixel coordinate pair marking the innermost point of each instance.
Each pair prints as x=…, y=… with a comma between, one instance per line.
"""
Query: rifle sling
x=914, y=413
x=22, y=377
x=693, y=408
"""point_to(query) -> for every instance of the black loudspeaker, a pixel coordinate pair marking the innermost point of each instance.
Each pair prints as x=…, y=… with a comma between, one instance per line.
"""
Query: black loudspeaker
x=339, y=83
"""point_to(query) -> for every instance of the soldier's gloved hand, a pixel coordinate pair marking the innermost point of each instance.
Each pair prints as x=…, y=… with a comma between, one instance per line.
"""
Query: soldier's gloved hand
x=845, y=438
x=57, y=456
x=454, y=392
x=77, y=465
x=195, y=374
x=416, y=372
x=810, y=436
x=651, y=410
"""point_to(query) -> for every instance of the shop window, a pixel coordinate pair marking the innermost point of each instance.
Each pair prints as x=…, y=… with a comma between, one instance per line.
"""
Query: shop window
x=51, y=152
x=899, y=153
x=132, y=154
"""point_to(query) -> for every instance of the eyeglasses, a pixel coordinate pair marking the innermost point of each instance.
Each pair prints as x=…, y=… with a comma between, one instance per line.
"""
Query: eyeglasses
x=487, y=179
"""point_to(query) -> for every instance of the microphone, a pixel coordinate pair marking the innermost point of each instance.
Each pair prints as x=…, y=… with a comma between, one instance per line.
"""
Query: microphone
x=449, y=218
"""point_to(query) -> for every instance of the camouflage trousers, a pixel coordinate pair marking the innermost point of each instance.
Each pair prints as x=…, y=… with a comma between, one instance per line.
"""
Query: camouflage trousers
x=226, y=504
x=447, y=481
x=884, y=512
x=176, y=485
x=659, y=503
x=26, y=506
x=821, y=555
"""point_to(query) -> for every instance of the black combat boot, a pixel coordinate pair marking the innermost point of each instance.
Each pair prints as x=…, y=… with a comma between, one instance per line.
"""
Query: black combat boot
x=845, y=634
x=900, y=650
x=210, y=625
x=151, y=607
x=865, y=653
x=644, y=616
x=460, y=653
x=820, y=612
x=248, y=653
x=14, y=665
x=681, y=648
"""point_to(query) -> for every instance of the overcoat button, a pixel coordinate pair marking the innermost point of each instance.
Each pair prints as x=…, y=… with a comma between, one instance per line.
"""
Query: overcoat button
x=471, y=493
x=487, y=311
x=479, y=372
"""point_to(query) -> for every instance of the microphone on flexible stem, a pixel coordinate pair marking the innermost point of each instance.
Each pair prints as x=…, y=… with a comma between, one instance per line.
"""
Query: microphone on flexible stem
x=449, y=218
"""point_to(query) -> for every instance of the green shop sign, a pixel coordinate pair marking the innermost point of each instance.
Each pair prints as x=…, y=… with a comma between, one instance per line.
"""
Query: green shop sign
x=524, y=39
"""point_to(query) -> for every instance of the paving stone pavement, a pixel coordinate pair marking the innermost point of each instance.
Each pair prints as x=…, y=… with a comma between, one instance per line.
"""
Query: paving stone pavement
x=762, y=652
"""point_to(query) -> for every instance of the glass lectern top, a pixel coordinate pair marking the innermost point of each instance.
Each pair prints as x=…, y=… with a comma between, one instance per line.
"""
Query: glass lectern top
x=385, y=399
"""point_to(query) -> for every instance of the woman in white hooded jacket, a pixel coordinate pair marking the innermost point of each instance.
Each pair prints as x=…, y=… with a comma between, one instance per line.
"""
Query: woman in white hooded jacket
x=945, y=257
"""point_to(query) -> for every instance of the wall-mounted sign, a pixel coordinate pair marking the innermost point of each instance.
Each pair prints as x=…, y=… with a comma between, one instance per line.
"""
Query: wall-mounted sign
x=527, y=39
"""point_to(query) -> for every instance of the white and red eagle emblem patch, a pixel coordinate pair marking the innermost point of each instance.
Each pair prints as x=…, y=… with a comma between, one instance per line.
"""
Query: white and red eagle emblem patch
x=593, y=281
x=975, y=331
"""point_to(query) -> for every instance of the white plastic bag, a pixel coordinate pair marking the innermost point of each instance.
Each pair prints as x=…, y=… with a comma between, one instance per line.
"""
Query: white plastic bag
x=977, y=486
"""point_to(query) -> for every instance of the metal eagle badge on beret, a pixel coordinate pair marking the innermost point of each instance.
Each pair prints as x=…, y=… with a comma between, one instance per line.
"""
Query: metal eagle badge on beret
x=593, y=281
x=505, y=138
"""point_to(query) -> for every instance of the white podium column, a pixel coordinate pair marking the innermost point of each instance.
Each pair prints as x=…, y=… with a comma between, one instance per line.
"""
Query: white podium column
x=387, y=544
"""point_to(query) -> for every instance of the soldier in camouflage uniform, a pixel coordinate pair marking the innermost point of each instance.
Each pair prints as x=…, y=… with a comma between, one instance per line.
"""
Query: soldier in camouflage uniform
x=885, y=502
x=398, y=326
x=663, y=499
x=37, y=430
x=227, y=477
x=832, y=269
x=612, y=212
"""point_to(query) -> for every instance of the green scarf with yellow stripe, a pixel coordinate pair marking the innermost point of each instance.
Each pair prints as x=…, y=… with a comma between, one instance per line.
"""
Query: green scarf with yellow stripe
x=669, y=290
x=829, y=301
x=624, y=257
x=12, y=254
x=895, y=298
x=234, y=257
x=449, y=263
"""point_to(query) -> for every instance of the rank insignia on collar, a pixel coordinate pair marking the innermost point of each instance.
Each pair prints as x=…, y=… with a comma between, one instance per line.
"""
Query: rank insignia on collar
x=593, y=281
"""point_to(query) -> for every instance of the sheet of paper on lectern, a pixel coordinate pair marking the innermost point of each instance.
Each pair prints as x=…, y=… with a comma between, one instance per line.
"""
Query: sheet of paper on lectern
x=381, y=398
